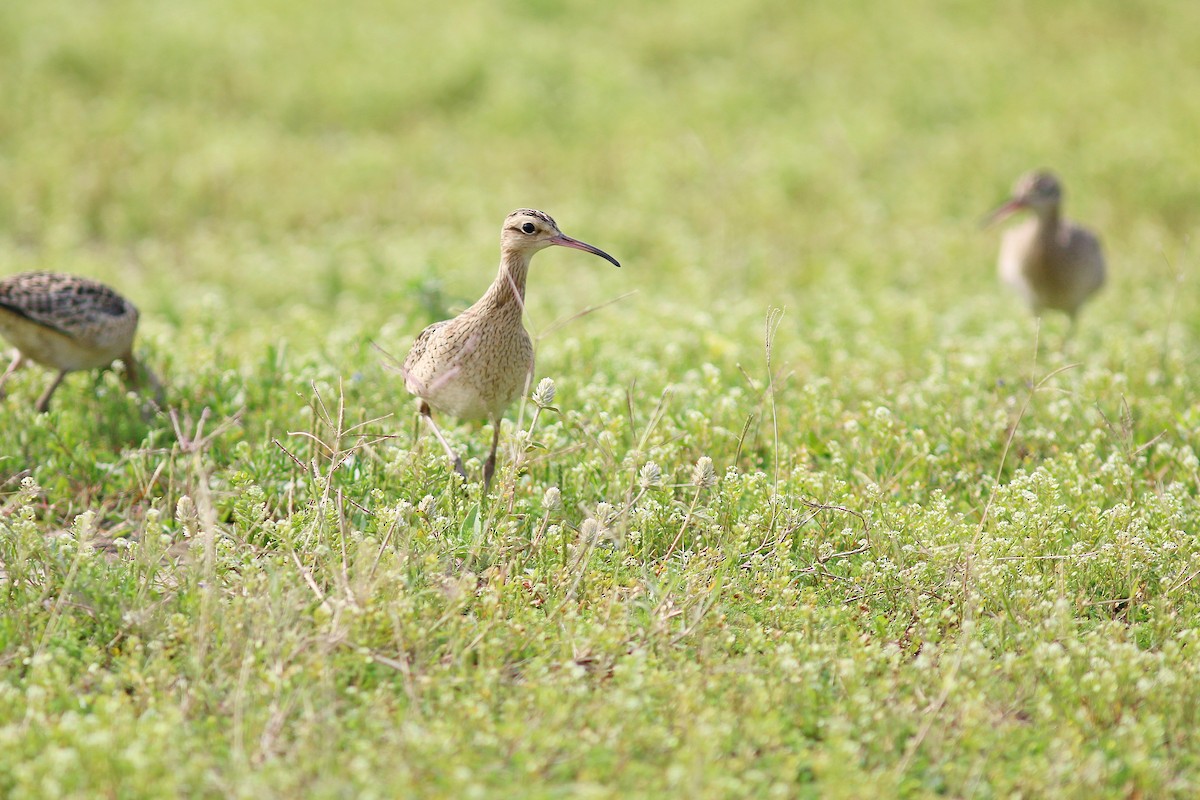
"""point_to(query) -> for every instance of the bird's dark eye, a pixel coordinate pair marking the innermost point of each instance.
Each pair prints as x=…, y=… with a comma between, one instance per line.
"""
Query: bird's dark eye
x=528, y=227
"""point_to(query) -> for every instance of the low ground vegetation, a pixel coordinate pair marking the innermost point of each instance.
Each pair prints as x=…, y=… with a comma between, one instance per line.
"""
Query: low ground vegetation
x=807, y=505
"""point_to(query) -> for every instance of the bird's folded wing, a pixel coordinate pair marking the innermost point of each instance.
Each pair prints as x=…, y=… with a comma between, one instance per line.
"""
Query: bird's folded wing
x=64, y=304
x=417, y=351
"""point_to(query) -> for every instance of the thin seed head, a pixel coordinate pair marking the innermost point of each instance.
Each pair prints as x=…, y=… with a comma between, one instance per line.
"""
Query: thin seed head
x=651, y=476
x=186, y=515
x=543, y=395
x=703, y=474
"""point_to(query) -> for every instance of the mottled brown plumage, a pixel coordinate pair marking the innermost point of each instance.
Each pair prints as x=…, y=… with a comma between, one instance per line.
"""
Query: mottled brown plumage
x=1052, y=263
x=475, y=365
x=66, y=323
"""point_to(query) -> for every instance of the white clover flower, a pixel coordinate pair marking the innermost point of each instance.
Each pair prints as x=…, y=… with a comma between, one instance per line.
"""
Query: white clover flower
x=543, y=395
x=703, y=474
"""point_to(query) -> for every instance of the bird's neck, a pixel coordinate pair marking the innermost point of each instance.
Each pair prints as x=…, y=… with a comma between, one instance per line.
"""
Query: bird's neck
x=1048, y=222
x=508, y=290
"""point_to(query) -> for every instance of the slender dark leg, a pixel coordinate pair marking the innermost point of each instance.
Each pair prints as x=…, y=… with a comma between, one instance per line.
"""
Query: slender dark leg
x=17, y=361
x=139, y=377
x=427, y=413
x=133, y=377
x=43, y=403
x=490, y=467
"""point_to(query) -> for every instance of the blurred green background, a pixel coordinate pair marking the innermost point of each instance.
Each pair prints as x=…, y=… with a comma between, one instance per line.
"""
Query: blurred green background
x=324, y=156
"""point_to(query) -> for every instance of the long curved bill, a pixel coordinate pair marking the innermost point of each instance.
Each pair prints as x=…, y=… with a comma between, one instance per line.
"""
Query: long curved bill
x=567, y=241
x=1001, y=212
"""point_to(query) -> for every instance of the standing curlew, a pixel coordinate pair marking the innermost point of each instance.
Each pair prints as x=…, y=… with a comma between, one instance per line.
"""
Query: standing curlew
x=1051, y=262
x=67, y=323
x=475, y=365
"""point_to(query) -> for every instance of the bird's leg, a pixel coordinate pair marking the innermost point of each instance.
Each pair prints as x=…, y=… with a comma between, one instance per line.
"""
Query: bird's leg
x=490, y=467
x=136, y=373
x=17, y=361
x=132, y=377
x=43, y=403
x=427, y=413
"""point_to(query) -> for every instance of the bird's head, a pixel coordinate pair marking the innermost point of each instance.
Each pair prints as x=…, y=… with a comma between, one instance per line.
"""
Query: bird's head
x=1038, y=191
x=527, y=231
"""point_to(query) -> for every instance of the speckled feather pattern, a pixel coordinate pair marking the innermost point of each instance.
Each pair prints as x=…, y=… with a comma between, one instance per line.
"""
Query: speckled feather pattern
x=533, y=212
x=64, y=321
x=475, y=365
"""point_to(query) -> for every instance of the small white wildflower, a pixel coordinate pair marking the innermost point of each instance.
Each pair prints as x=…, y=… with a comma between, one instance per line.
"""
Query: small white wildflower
x=651, y=476
x=552, y=499
x=425, y=505
x=543, y=395
x=82, y=527
x=29, y=489
x=605, y=513
x=703, y=474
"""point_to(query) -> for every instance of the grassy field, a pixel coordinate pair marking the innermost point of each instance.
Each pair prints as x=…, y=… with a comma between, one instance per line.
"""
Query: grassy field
x=817, y=510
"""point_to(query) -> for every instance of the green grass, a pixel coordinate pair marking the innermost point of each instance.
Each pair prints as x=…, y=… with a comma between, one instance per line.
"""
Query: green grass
x=939, y=552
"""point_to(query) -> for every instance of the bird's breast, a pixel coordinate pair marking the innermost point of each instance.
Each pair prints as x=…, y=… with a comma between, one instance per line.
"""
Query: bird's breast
x=473, y=370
